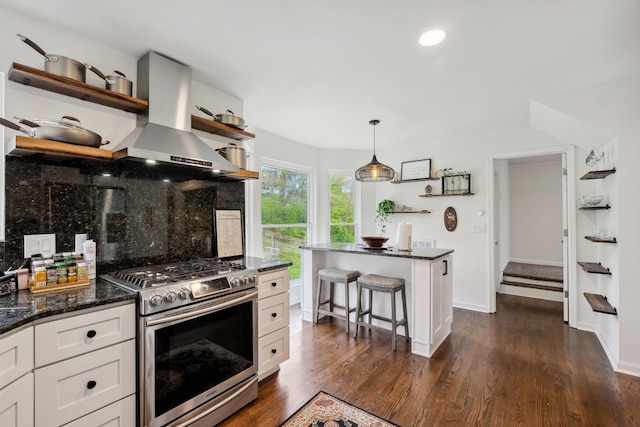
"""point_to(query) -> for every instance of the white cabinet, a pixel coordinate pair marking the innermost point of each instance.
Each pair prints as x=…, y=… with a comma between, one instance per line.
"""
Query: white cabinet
x=85, y=365
x=273, y=321
x=16, y=378
x=16, y=403
x=441, y=300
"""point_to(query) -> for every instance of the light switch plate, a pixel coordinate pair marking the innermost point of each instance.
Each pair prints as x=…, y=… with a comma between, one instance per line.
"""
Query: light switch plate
x=44, y=244
x=479, y=228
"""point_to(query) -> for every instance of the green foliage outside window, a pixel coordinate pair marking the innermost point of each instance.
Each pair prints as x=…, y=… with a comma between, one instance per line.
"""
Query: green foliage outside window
x=342, y=209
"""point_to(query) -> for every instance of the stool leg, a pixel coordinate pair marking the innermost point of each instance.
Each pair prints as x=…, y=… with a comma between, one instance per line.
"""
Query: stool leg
x=406, y=315
x=358, y=307
x=393, y=320
x=370, y=304
x=317, y=304
x=346, y=304
x=331, y=293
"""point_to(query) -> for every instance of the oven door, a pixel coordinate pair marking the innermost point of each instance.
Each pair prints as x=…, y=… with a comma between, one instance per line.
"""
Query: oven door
x=193, y=354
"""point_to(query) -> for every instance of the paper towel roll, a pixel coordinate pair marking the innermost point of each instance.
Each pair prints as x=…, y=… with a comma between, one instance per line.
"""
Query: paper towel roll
x=403, y=237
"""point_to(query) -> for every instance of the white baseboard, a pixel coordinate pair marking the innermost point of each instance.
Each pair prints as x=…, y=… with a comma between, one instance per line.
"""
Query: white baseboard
x=471, y=307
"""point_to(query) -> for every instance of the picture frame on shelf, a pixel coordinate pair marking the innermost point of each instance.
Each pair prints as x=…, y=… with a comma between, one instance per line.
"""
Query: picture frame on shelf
x=456, y=184
x=415, y=169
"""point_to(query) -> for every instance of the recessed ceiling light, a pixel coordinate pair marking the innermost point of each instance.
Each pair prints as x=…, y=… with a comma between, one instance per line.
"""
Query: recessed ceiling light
x=432, y=37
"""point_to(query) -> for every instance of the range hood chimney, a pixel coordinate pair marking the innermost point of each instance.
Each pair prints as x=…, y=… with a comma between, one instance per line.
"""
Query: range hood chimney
x=164, y=132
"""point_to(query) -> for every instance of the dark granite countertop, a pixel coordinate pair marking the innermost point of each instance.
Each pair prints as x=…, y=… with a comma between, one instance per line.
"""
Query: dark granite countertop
x=23, y=307
x=353, y=248
x=265, y=264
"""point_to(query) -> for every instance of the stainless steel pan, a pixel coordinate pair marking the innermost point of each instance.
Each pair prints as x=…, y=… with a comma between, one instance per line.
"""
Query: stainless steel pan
x=60, y=65
x=116, y=83
x=228, y=119
x=64, y=130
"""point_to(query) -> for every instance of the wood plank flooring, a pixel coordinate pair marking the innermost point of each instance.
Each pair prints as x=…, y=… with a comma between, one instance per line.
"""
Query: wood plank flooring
x=519, y=367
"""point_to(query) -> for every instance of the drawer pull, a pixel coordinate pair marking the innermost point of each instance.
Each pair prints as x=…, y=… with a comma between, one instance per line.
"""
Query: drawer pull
x=91, y=333
x=274, y=351
x=274, y=314
x=274, y=284
x=91, y=384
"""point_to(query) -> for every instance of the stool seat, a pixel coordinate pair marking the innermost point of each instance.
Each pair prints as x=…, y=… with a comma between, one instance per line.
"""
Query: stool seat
x=334, y=275
x=383, y=284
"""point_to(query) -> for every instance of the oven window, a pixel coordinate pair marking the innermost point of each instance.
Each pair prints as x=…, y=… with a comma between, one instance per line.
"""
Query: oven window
x=197, y=355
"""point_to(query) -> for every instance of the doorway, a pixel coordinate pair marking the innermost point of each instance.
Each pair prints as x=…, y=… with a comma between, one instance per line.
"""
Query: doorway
x=514, y=238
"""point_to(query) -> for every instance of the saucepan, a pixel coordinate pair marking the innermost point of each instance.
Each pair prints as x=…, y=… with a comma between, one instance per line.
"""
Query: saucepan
x=115, y=83
x=234, y=154
x=228, y=118
x=64, y=130
x=60, y=65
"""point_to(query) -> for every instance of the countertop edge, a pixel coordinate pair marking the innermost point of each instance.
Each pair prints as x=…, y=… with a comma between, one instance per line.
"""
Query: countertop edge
x=393, y=253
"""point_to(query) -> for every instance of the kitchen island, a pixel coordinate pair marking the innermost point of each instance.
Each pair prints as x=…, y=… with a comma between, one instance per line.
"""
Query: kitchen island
x=427, y=272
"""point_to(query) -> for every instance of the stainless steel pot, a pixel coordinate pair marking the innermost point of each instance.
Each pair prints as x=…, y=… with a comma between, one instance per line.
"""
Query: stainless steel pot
x=63, y=130
x=116, y=83
x=228, y=119
x=60, y=65
x=234, y=154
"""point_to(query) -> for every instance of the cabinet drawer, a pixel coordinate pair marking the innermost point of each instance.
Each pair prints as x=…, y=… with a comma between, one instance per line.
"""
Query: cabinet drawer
x=16, y=403
x=60, y=339
x=119, y=414
x=273, y=313
x=273, y=283
x=75, y=387
x=273, y=349
x=16, y=355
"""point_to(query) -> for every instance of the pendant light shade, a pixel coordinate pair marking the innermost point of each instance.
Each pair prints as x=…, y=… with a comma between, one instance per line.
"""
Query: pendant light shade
x=374, y=171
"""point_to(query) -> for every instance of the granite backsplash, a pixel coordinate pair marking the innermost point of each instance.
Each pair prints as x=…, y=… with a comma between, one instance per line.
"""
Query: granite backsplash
x=138, y=214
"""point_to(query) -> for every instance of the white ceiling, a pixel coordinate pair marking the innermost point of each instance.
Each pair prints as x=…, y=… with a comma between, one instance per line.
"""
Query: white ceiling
x=318, y=71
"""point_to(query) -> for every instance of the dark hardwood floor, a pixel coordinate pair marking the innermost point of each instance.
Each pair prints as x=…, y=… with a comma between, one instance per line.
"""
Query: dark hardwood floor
x=519, y=367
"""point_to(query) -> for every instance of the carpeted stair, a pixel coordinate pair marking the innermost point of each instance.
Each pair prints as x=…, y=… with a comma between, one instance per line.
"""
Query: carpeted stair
x=532, y=280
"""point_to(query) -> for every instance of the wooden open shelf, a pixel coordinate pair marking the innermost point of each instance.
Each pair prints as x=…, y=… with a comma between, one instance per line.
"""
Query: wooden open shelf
x=65, y=86
x=211, y=126
x=593, y=267
x=243, y=174
x=26, y=146
x=445, y=195
x=600, y=304
x=593, y=208
x=599, y=240
x=414, y=180
x=423, y=211
x=598, y=174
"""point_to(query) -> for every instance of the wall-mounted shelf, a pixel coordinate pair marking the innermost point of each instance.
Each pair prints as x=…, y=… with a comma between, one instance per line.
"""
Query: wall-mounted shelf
x=243, y=174
x=593, y=267
x=593, y=208
x=414, y=180
x=66, y=86
x=600, y=304
x=598, y=174
x=601, y=240
x=424, y=211
x=446, y=195
x=211, y=126
x=26, y=146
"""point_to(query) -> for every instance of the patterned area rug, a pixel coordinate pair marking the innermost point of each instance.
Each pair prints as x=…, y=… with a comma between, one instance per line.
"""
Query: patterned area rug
x=324, y=410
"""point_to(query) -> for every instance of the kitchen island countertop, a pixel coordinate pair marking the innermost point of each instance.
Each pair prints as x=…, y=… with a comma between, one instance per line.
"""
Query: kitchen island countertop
x=354, y=248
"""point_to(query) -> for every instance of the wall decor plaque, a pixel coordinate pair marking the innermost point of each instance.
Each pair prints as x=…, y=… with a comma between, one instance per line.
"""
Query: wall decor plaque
x=450, y=219
x=228, y=233
x=415, y=169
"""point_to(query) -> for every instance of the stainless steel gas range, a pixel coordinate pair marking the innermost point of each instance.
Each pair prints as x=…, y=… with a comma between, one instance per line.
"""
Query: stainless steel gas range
x=198, y=340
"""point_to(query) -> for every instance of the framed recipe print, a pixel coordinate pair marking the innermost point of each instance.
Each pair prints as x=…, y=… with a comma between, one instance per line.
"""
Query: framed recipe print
x=228, y=233
x=415, y=169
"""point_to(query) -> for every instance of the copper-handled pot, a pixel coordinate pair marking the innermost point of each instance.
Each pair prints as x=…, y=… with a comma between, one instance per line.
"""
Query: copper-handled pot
x=57, y=64
x=115, y=83
x=64, y=130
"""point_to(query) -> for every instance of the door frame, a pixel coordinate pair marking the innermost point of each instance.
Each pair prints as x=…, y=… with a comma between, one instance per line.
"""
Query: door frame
x=569, y=258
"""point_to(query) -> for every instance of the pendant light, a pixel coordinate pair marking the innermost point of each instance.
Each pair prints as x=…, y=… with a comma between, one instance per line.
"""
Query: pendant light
x=374, y=171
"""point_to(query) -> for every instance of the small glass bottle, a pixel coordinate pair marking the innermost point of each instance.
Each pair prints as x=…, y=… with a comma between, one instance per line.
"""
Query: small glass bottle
x=82, y=272
x=52, y=274
x=61, y=271
x=40, y=278
x=72, y=272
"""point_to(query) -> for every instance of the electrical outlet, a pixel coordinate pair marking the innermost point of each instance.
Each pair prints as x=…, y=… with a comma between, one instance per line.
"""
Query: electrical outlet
x=479, y=228
x=44, y=244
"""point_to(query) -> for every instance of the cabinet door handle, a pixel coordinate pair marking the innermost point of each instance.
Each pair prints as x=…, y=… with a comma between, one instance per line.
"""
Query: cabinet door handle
x=91, y=384
x=274, y=314
x=446, y=267
x=274, y=284
x=274, y=351
x=91, y=333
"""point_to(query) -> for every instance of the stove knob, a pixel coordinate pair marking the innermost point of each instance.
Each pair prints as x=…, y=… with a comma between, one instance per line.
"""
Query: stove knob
x=244, y=280
x=184, y=293
x=235, y=282
x=253, y=277
x=170, y=296
x=155, y=300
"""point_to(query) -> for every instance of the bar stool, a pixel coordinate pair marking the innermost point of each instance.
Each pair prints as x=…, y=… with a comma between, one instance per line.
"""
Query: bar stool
x=389, y=285
x=332, y=276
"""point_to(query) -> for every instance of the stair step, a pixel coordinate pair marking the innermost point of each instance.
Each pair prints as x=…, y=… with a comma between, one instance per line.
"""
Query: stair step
x=530, y=292
x=547, y=273
x=532, y=285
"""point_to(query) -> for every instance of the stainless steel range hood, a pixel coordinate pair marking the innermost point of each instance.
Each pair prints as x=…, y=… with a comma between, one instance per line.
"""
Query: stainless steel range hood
x=164, y=132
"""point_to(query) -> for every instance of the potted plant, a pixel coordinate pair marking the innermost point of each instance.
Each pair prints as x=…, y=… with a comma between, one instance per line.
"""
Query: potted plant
x=384, y=209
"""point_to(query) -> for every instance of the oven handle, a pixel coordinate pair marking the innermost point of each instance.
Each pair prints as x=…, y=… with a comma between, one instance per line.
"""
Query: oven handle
x=224, y=402
x=205, y=310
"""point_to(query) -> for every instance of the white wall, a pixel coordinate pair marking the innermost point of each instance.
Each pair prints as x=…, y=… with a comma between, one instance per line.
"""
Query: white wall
x=535, y=208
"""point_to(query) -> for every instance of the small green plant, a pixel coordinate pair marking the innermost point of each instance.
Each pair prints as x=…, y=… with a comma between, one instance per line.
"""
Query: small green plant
x=384, y=209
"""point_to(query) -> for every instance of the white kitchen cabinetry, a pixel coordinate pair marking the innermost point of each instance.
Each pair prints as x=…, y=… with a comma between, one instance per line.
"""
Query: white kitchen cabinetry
x=16, y=379
x=273, y=321
x=85, y=368
x=441, y=300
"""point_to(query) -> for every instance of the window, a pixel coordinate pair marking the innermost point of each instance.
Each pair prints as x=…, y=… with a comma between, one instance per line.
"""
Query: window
x=285, y=214
x=342, y=207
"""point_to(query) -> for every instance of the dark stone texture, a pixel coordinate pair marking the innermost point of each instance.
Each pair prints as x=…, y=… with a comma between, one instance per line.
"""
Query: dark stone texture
x=135, y=217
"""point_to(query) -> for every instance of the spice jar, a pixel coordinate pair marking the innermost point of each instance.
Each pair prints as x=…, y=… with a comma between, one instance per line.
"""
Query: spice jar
x=52, y=274
x=72, y=272
x=82, y=272
x=40, y=276
x=61, y=271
